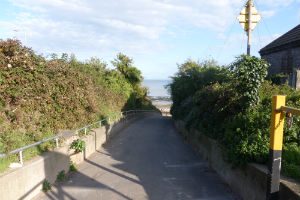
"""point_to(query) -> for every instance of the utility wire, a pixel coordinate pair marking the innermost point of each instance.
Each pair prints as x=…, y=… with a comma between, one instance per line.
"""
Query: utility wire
x=228, y=36
x=225, y=41
x=263, y=21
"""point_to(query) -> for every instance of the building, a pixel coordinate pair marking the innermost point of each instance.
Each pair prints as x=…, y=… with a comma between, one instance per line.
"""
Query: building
x=284, y=56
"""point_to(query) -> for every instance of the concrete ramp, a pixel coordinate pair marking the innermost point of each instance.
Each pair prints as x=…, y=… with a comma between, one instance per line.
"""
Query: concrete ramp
x=147, y=160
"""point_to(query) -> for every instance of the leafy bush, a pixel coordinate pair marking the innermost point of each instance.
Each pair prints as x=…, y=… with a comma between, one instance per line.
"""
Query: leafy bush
x=61, y=176
x=14, y=55
x=246, y=136
x=235, y=109
x=192, y=77
x=46, y=186
x=72, y=167
x=38, y=97
x=291, y=161
x=248, y=75
x=278, y=79
x=78, y=145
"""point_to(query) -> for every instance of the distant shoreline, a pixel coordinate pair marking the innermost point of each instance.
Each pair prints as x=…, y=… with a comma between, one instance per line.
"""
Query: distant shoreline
x=160, y=98
x=158, y=94
x=161, y=102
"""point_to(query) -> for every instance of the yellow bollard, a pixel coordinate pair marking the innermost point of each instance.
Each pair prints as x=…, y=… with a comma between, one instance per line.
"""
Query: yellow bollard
x=276, y=141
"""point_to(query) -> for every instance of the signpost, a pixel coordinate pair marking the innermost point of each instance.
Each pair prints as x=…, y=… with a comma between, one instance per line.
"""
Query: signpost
x=276, y=143
x=249, y=18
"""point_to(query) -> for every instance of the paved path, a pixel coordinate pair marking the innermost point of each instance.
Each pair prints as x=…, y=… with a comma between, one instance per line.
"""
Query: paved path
x=148, y=160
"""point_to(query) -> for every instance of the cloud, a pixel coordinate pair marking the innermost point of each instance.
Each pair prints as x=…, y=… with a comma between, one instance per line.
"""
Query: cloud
x=275, y=3
x=267, y=13
x=59, y=25
x=91, y=27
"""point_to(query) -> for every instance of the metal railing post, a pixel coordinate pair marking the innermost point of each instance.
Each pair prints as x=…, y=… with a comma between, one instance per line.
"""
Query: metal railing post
x=276, y=140
x=56, y=142
x=85, y=131
x=21, y=157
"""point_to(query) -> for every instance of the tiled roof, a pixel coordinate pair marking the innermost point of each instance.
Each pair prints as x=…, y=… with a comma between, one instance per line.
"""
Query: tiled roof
x=288, y=40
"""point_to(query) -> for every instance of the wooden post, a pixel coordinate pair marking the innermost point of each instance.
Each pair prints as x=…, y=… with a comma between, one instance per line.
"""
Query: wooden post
x=276, y=140
x=249, y=34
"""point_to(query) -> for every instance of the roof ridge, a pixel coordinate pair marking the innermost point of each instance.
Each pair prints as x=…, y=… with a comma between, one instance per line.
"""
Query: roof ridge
x=287, y=38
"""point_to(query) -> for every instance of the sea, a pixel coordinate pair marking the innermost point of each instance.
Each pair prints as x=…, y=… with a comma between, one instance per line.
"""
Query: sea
x=157, y=88
x=158, y=92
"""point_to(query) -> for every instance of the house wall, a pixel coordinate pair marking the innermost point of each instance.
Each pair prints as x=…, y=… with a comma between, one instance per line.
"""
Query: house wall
x=275, y=60
x=296, y=56
x=285, y=61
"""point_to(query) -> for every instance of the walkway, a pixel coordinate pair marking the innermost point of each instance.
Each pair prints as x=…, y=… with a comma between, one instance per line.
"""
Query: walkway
x=148, y=160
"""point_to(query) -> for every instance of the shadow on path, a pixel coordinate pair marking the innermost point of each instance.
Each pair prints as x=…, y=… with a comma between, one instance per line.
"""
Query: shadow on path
x=147, y=160
x=155, y=153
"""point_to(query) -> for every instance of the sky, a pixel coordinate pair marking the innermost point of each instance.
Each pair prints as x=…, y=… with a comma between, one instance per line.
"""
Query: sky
x=157, y=34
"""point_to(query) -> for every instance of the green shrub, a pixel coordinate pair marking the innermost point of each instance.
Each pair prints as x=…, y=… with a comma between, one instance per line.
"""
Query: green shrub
x=72, y=167
x=78, y=145
x=61, y=176
x=5, y=162
x=235, y=109
x=291, y=160
x=278, y=79
x=246, y=137
x=46, y=186
x=192, y=77
x=248, y=75
x=39, y=97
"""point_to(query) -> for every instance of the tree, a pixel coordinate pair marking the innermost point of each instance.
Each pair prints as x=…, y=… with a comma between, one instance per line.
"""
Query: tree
x=124, y=65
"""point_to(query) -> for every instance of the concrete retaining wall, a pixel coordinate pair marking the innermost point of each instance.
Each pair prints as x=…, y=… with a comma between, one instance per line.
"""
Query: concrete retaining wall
x=26, y=182
x=250, y=183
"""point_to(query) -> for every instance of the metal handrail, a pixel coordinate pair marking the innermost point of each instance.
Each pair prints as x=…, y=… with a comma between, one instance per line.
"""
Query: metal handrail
x=291, y=110
x=56, y=138
x=20, y=150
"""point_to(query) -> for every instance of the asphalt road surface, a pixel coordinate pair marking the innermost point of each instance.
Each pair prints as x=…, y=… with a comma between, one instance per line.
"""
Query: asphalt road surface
x=147, y=160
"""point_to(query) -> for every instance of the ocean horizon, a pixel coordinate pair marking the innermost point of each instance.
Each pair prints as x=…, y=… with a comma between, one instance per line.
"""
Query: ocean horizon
x=157, y=87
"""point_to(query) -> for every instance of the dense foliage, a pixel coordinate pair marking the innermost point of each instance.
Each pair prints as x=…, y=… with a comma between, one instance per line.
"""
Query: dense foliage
x=38, y=97
x=233, y=105
x=78, y=145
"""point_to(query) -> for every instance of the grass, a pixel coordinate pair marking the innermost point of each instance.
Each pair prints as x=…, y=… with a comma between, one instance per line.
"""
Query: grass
x=5, y=162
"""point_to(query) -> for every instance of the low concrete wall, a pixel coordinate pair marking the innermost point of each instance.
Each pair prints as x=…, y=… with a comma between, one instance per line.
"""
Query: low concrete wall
x=26, y=182
x=250, y=183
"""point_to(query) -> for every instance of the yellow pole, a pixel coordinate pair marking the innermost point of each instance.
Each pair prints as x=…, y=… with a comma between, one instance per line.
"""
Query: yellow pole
x=276, y=140
x=277, y=123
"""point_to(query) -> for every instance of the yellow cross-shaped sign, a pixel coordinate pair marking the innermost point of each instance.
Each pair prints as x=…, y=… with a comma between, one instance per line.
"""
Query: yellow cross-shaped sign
x=244, y=17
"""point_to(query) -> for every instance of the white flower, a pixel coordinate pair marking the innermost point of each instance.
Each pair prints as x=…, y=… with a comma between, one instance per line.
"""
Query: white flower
x=9, y=65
